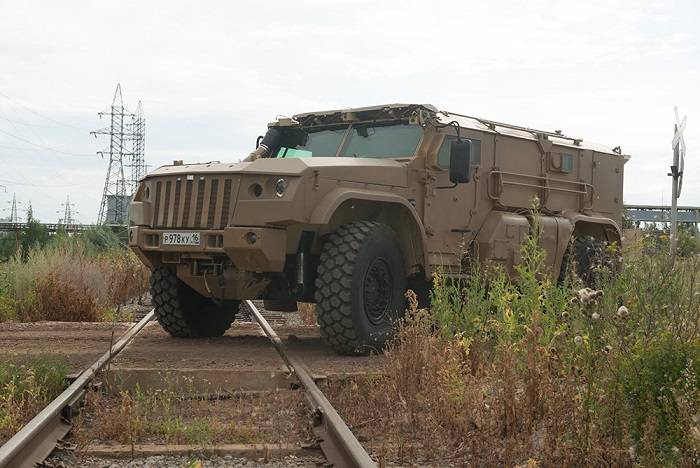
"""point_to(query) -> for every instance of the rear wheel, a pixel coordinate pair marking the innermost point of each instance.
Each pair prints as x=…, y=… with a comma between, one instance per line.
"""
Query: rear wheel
x=360, y=287
x=183, y=312
x=588, y=253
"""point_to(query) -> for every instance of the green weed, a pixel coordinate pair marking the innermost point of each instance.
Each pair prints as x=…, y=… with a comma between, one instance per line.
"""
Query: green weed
x=504, y=370
x=26, y=386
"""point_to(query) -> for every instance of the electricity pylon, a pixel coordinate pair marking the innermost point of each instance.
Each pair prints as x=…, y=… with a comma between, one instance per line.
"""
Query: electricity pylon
x=68, y=213
x=14, y=216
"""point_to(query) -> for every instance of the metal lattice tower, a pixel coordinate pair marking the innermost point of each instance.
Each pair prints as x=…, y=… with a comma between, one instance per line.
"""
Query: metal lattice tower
x=68, y=213
x=126, y=149
x=138, y=145
x=14, y=217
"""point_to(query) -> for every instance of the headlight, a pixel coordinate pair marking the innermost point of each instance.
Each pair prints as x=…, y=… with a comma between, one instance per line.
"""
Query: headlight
x=281, y=187
x=255, y=190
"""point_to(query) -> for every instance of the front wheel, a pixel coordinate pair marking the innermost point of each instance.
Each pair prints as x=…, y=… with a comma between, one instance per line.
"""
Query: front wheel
x=360, y=287
x=185, y=313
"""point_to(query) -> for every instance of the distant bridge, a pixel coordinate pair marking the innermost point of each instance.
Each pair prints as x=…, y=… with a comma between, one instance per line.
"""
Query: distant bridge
x=662, y=214
x=52, y=228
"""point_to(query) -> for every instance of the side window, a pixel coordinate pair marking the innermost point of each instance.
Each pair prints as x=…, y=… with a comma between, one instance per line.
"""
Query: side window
x=444, y=153
x=561, y=162
x=567, y=162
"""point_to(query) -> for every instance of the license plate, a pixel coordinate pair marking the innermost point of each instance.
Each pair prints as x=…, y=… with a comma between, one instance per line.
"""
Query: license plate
x=180, y=238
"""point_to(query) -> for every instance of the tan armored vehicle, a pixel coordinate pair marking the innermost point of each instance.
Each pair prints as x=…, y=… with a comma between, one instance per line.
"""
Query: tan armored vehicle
x=349, y=208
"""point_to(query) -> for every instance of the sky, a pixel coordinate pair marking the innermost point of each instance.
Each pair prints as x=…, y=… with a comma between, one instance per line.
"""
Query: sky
x=211, y=75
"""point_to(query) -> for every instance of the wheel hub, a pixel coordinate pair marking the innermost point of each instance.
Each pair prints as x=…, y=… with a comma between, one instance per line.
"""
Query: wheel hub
x=377, y=291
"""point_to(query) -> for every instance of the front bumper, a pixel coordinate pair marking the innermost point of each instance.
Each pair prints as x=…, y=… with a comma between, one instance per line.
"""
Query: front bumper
x=255, y=249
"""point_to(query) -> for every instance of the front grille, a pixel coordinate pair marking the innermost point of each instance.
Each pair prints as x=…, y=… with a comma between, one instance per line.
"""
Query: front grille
x=227, y=202
x=190, y=204
x=212, y=196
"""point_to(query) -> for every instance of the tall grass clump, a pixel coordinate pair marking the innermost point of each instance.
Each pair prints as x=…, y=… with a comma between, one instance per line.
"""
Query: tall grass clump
x=26, y=386
x=71, y=278
x=510, y=369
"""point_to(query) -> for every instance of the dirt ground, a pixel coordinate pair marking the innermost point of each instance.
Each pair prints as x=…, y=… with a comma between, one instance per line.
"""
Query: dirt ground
x=275, y=416
x=80, y=343
x=242, y=347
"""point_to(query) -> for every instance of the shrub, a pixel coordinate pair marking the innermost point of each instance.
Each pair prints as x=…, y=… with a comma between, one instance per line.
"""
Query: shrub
x=661, y=384
x=61, y=300
x=127, y=277
x=69, y=280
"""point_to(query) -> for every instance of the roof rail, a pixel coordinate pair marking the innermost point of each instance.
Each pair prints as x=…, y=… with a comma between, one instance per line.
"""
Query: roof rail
x=492, y=124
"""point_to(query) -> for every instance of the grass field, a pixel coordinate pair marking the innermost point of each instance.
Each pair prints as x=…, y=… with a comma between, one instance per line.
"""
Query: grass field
x=507, y=372
x=499, y=371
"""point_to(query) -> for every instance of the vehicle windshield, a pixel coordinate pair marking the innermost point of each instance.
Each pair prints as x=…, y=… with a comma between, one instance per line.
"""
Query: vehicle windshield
x=390, y=141
x=323, y=143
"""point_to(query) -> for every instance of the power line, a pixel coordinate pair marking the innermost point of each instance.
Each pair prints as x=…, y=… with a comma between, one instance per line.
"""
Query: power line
x=28, y=184
x=40, y=114
x=47, y=148
x=26, y=124
x=17, y=148
x=17, y=129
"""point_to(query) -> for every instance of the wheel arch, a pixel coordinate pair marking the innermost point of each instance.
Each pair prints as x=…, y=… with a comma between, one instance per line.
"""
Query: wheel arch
x=599, y=227
x=343, y=206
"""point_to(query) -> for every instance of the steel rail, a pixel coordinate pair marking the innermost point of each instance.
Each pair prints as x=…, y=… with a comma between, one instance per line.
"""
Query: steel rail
x=35, y=441
x=339, y=444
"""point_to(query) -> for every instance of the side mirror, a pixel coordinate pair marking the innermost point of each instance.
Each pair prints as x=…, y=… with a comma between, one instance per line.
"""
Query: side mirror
x=460, y=161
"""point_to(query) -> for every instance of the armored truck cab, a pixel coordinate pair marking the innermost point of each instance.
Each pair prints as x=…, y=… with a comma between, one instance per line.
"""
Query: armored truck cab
x=349, y=208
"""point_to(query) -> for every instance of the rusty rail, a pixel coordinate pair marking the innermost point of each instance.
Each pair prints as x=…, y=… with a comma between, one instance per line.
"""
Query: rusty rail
x=37, y=439
x=339, y=444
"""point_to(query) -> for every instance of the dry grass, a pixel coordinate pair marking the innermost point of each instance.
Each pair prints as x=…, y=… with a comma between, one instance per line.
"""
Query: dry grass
x=504, y=373
x=66, y=283
x=136, y=418
x=432, y=407
x=307, y=313
x=128, y=277
x=178, y=417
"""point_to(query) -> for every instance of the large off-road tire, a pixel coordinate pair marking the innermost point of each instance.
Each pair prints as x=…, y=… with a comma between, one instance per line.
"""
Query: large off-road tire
x=360, y=287
x=588, y=253
x=183, y=312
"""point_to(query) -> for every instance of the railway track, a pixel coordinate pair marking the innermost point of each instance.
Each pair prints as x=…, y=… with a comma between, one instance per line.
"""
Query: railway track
x=37, y=439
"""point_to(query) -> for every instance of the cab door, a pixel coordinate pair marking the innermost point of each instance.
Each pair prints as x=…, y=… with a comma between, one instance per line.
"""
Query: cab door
x=450, y=209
